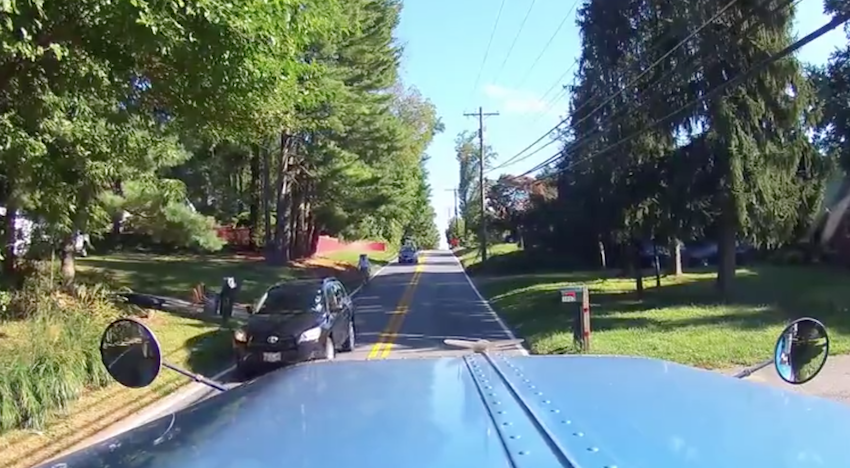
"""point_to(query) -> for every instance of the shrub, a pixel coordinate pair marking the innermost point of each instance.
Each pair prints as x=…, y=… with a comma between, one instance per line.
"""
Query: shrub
x=51, y=354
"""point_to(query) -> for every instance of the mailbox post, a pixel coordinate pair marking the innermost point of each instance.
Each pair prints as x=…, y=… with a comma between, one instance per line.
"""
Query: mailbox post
x=227, y=297
x=577, y=298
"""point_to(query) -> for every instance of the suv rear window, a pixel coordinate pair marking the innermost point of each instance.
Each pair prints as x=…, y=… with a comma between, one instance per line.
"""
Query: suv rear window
x=290, y=299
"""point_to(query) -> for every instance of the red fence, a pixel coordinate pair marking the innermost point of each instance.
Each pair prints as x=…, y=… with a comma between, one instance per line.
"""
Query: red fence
x=241, y=237
x=235, y=236
x=332, y=244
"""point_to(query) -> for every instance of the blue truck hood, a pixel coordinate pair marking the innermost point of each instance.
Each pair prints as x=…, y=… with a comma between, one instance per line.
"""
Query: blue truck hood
x=497, y=411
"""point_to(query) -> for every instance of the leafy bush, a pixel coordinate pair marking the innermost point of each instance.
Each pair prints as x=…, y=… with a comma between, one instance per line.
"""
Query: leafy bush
x=49, y=353
x=788, y=256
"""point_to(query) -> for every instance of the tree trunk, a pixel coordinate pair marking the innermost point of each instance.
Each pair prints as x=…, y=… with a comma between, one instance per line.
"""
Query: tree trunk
x=280, y=252
x=314, y=235
x=603, y=261
x=295, y=233
x=69, y=264
x=9, y=238
x=254, y=199
x=303, y=220
x=726, y=249
x=266, y=201
x=637, y=270
x=80, y=224
x=676, y=259
x=117, y=218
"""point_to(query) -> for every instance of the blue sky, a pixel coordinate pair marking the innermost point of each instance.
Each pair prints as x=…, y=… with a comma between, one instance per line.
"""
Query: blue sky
x=445, y=43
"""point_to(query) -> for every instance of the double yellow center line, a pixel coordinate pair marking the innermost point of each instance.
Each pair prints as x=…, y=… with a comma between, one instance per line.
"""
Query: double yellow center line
x=382, y=348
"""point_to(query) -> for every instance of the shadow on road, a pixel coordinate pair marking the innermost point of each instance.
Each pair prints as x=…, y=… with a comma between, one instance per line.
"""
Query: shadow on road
x=210, y=352
x=441, y=305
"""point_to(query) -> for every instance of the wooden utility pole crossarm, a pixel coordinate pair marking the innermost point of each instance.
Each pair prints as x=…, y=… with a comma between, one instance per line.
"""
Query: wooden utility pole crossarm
x=483, y=227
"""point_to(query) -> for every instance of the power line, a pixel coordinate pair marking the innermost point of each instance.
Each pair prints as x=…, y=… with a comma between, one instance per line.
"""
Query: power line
x=560, y=80
x=548, y=43
x=620, y=115
x=558, y=96
x=487, y=50
x=633, y=81
x=483, y=231
x=555, y=100
x=658, y=42
x=835, y=23
x=513, y=42
x=549, y=106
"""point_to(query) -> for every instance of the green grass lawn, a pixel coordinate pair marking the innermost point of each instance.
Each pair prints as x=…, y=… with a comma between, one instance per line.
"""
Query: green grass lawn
x=682, y=321
x=176, y=275
x=376, y=259
x=471, y=256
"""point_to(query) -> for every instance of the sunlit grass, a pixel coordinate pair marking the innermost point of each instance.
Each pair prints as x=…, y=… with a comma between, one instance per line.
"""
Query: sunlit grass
x=65, y=392
x=351, y=257
x=683, y=320
x=176, y=275
x=471, y=256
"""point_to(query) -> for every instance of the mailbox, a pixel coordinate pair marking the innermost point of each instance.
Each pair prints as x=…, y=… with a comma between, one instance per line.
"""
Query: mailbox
x=571, y=294
x=578, y=300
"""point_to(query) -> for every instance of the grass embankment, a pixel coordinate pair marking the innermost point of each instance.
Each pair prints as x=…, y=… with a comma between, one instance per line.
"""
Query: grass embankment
x=176, y=275
x=471, y=257
x=682, y=321
x=351, y=257
x=54, y=392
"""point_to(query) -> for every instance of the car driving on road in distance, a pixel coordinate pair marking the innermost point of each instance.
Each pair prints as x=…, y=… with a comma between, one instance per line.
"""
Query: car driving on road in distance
x=295, y=321
x=408, y=254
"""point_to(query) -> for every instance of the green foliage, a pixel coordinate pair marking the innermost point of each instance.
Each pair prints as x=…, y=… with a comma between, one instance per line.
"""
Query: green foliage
x=468, y=155
x=160, y=211
x=52, y=356
x=717, y=170
x=287, y=117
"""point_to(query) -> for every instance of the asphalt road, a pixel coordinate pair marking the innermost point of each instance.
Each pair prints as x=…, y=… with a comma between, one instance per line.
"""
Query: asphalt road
x=406, y=311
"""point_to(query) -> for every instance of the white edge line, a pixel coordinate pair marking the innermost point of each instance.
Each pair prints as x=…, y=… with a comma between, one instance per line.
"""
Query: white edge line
x=486, y=303
x=162, y=407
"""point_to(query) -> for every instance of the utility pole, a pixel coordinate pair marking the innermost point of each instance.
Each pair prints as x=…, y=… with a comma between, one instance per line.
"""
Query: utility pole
x=483, y=228
x=454, y=191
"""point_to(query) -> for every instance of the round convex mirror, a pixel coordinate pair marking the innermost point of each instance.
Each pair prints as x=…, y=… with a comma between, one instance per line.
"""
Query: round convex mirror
x=131, y=353
x=801, y=351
